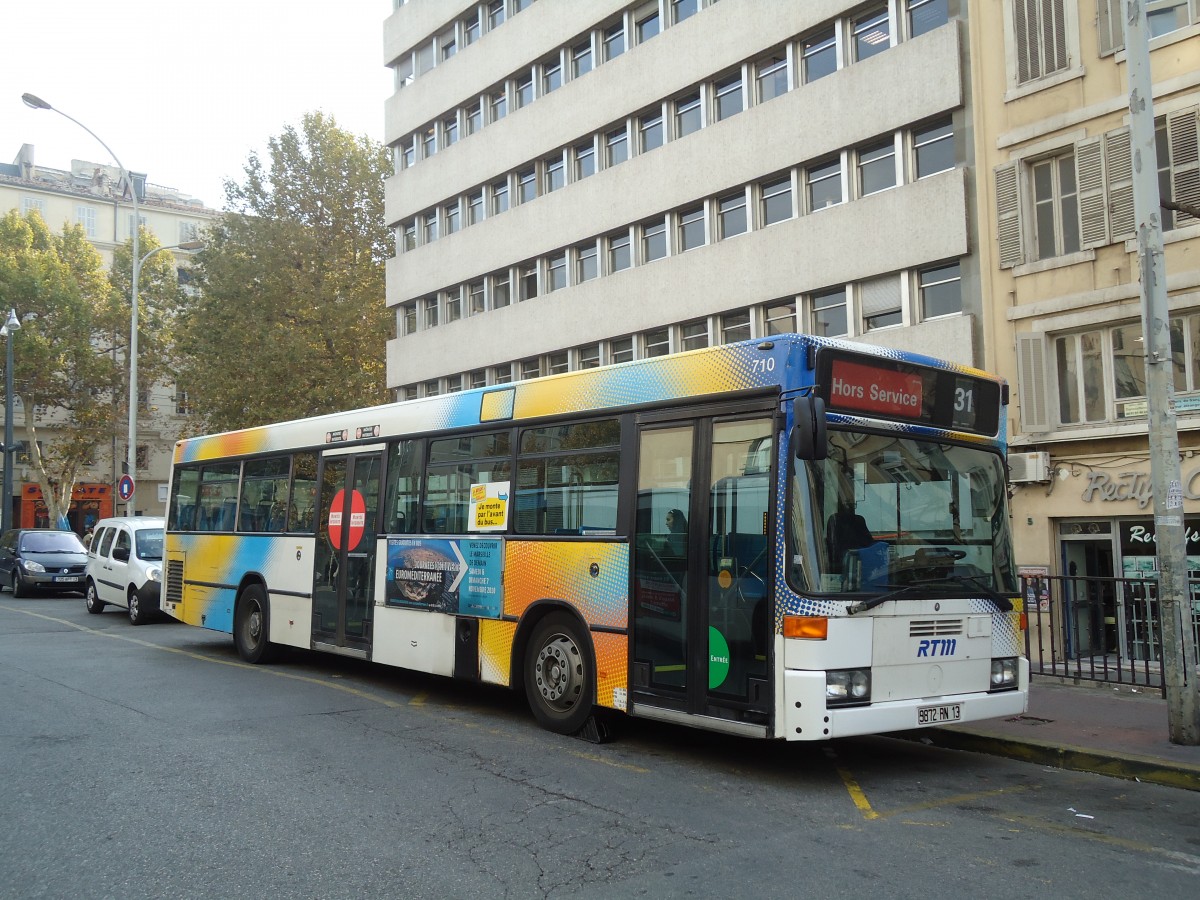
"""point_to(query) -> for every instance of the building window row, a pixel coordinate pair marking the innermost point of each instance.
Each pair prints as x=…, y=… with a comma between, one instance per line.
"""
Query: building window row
x=1098, y=376
x=846, y=310
x=800, y=61
x=883, y=163
x=479, y=19
x=1080, y=196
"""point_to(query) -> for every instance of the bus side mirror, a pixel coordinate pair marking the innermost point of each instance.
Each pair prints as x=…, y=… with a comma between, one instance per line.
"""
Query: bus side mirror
x=808, y=433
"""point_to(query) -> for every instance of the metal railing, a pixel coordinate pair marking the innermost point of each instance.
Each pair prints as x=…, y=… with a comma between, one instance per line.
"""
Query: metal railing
x=1098, y=629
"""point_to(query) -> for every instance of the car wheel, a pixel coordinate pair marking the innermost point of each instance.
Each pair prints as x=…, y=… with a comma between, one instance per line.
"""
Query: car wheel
x=559, y=680
x=19, y=588
x=137, y=615
x=94, y=604
x=252, y=626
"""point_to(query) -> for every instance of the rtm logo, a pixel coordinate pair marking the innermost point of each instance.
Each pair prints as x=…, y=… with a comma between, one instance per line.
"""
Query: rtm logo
x=940, y=647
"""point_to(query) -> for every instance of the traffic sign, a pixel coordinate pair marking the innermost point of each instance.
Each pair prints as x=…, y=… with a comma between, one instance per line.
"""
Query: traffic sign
x=125, y=487
x=337, y=520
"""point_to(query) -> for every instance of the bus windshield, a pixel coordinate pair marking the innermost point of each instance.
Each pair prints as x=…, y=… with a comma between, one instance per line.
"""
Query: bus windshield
x=886, y=511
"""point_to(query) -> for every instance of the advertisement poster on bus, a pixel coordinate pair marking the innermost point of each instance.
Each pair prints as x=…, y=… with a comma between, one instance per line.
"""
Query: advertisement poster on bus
x=453, y=575
x=489, y=506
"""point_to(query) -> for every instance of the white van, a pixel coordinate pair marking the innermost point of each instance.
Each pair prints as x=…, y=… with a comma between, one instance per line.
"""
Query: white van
x=124, y=566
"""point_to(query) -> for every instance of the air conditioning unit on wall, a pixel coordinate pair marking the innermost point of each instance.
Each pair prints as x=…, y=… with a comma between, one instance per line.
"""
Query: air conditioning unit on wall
x=1029, y=468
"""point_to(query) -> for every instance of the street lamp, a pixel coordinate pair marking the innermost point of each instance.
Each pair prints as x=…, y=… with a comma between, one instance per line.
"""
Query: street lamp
x=34, y=102
x=6, y=331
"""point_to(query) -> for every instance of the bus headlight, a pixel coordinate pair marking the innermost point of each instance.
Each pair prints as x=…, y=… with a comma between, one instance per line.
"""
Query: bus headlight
x=847, y=686
x=1004, y=673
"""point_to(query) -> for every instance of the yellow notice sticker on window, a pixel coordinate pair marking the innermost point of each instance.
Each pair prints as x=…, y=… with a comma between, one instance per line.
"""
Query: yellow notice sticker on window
x=489, y=506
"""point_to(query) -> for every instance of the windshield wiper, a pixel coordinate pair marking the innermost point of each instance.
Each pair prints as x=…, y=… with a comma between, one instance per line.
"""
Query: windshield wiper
x=864, y=605
x=967, y=581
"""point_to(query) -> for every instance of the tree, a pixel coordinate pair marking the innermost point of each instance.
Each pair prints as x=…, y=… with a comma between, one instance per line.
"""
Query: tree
x=290, y=319
x=62, y=372
x=160, y=300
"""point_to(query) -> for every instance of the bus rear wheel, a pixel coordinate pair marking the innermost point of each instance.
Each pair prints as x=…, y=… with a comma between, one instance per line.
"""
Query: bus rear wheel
x=559, y=679
x=251, y=625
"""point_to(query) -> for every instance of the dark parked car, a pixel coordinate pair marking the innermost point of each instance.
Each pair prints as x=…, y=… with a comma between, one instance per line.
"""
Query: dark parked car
x=41, y=559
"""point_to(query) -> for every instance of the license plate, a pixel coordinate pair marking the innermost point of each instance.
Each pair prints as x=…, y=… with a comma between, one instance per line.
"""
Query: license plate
x=66, y=579
x=933, y=715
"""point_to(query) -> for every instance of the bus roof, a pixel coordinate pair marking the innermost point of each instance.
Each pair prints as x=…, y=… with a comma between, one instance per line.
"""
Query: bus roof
x=780, y=363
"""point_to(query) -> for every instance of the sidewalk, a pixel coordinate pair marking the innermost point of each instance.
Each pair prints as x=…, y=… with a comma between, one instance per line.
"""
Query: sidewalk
x=1090, y=728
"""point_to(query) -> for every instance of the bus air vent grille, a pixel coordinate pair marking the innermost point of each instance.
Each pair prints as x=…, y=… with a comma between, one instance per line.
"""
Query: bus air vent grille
x=175, y=581
x=934, y=627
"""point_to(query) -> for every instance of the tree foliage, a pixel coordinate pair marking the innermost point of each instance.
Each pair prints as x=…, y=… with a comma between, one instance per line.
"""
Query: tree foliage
x=160, y=300
x=63, y=372
x=290, y=319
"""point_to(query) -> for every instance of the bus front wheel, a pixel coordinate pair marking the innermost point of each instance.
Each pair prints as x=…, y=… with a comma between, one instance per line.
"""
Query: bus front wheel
x=559, y=680
x=251, y=625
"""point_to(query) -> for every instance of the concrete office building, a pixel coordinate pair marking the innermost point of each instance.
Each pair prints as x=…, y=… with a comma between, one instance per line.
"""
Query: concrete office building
x=585, y=183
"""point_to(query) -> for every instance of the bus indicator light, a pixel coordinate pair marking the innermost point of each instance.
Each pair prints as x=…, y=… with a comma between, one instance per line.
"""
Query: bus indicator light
x=813, y=628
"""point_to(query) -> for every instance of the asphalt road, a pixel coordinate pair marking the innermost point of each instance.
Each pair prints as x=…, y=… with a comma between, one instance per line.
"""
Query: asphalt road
x=151, y=762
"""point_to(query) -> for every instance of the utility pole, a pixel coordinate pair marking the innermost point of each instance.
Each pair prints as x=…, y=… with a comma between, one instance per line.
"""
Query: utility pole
x=1174, y=603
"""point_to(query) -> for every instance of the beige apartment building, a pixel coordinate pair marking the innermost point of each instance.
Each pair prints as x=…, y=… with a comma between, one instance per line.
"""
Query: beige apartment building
x=1062, y=279
x=584, y=183
x=90, y=194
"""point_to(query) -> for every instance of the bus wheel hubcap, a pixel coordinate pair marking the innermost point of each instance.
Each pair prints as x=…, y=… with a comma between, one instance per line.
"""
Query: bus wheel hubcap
x=559, y=673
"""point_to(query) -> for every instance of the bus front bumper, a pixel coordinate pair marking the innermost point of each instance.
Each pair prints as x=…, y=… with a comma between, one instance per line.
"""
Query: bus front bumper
x=806, y=717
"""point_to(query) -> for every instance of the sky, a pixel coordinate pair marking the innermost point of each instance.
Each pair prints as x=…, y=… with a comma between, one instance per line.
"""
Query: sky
x=186, y=91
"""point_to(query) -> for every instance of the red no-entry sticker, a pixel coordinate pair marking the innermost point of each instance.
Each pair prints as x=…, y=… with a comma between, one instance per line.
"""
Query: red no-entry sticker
x=358, y=520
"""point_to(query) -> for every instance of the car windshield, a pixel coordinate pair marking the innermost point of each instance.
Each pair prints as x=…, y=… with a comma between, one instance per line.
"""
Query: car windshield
x=149, y=543
x=884, y=511
x=51, y=542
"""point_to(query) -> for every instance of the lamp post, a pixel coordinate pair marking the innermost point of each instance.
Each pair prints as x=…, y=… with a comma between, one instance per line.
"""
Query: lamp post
x=34, y=102
x=138, y=262
x=7, y=330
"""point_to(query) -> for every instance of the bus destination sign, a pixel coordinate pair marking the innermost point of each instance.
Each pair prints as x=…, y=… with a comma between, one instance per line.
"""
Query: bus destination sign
x=871, y=389
x=891, y=389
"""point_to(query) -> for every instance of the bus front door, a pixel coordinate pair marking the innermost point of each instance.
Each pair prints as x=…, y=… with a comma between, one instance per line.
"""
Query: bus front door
x=701, y=608
x=344, y=562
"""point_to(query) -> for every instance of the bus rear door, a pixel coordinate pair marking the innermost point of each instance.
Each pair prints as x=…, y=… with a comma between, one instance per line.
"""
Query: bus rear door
x=344, y=562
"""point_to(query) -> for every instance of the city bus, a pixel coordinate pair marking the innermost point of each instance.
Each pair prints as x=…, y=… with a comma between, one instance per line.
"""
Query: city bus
x=794, y=538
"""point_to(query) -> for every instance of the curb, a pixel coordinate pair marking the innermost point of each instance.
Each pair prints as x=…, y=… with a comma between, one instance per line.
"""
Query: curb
x=1076, y=759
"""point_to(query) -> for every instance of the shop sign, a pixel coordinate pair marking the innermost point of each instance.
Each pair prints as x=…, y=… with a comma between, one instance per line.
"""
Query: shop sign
x=1120, y=487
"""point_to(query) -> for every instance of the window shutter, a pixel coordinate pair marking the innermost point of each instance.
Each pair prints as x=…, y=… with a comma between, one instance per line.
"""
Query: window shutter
x=1054, y=26
x=1008, y=216
x=1117, y=157
x=1183, y=139
x=1093, y=207
x=1112, y=31
x=1028, y=63
x=1032, y=383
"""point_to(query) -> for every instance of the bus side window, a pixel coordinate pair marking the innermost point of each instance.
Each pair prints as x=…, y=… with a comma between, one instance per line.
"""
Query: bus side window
x=403, y=501
x=304, y=493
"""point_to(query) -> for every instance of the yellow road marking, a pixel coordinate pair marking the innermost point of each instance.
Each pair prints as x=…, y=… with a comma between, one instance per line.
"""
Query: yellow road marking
x=593, y=757
x=956, y=799
x=236, y=663
x=856, y=794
